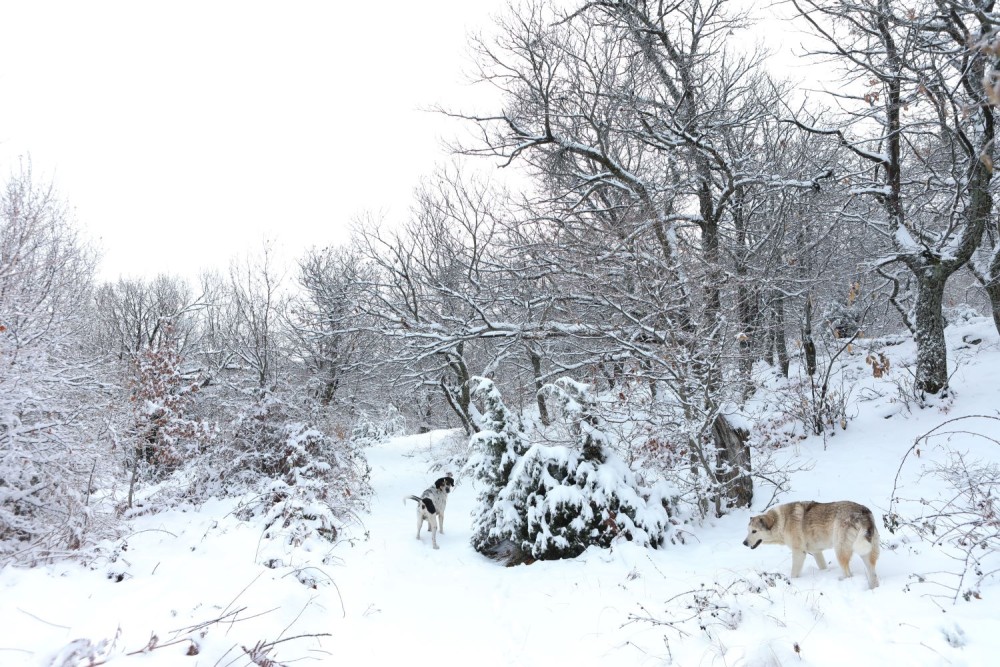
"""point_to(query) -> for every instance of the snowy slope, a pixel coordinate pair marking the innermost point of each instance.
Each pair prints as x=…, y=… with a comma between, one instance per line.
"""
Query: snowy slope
x=193, y=577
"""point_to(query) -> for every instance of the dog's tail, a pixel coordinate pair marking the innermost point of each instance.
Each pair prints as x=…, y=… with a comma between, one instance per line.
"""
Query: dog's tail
x=868, y=529
x=426, y=502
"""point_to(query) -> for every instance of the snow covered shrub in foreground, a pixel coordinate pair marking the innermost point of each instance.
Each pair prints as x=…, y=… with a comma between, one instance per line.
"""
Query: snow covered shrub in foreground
x=556, y=501
x=723, y=614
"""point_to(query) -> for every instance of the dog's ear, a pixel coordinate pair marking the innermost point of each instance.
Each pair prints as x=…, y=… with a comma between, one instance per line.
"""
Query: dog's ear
x=767, y=520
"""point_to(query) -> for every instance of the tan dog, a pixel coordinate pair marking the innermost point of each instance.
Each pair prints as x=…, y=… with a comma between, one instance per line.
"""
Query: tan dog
x=809, y=527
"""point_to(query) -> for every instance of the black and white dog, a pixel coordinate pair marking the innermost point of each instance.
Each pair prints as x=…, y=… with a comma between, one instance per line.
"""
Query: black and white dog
x=430, y=506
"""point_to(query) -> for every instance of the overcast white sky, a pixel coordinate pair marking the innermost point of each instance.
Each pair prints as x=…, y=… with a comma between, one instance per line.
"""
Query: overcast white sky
x=185, y=132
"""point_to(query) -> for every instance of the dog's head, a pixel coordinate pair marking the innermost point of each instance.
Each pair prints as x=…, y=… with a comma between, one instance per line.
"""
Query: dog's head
x=759, y=530
x=446, y=483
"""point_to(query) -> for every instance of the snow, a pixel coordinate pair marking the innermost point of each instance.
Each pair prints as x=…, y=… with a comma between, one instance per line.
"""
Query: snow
x=904, y=241
x=193, y=575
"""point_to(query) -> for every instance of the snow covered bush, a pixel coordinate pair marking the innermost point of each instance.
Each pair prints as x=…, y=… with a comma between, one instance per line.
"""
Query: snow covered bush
x=386, y=423
x=961, y=313
x=846, y=319
x=494, y=451
x=557, y=500
x=310, y=483
x=962, y=517
x=50, y=456
x=715, y=619
x=167, y=434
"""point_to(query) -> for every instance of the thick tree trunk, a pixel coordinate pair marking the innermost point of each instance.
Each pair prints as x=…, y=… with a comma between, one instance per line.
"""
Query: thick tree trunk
x=989, y=278
x=993, y=291
x=932, y=352
x=732, y=465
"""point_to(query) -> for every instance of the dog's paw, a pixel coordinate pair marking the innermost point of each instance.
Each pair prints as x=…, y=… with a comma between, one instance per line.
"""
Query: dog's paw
x=436, y=546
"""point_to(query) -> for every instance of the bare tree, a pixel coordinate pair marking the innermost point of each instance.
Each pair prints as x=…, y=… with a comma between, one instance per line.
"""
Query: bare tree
x=49, y=453
x=326, y=322
x=639, y=119
x=133, y=313
x=254, y=311
x=918, y=122
x=435, y=290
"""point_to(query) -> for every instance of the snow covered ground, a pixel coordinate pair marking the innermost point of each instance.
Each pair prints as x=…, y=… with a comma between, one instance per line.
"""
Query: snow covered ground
x=186, y=587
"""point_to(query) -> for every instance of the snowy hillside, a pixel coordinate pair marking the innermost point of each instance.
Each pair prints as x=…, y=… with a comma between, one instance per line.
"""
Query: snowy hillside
x=186, y=587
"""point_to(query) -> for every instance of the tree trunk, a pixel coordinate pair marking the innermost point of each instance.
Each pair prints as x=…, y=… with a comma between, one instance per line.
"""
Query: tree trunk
x=425, y=424
x=932, y=352
x=780, y=342
x=457, y=392
x=732, y=464
x=993, y=291
x=988, y=276
x=808, y=344
x=749, y=314
x=536, y=368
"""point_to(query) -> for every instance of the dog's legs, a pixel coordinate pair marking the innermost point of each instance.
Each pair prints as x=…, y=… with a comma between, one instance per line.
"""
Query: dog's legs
x=869, y=562
x=844, y=558
x=869, y=552
x=820, y=561
x=433, y=531
x=441, y=522
x=798, y=559
x=420, y=521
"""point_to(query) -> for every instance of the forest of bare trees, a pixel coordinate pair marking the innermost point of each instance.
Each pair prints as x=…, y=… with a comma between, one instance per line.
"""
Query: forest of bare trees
x=684, y=222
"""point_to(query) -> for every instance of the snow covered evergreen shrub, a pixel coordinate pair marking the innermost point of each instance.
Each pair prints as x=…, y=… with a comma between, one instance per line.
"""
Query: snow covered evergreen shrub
x=557, y=500
x=494, y=451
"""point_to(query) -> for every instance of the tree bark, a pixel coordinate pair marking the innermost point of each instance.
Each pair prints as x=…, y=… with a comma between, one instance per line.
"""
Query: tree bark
x=989, y=277
x=808, y=344
x=780, y=342
x=457, y=392
x=932, y=352
x=732, y=464
x=536, y=368
x=993, y=292
x=749, y=313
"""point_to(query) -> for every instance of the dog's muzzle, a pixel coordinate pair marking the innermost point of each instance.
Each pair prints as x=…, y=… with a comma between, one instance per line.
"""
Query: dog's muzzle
x=756, y=544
